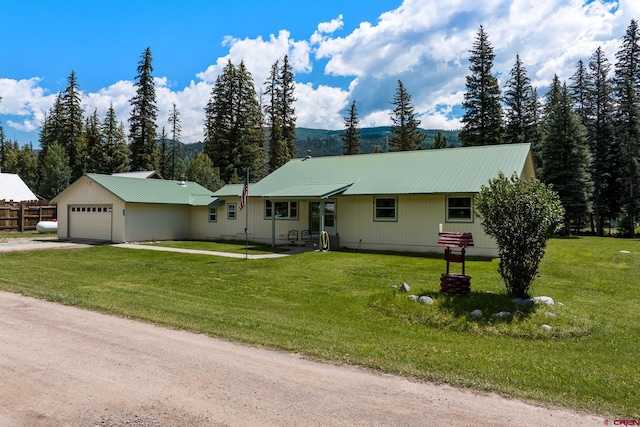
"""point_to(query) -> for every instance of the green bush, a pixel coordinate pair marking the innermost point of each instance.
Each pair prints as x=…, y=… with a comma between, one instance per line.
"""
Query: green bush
x=521, y=215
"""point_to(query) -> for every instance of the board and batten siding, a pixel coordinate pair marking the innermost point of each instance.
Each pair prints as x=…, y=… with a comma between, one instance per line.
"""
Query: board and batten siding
x=149, y=222
x=86, y=194
x=416, y=228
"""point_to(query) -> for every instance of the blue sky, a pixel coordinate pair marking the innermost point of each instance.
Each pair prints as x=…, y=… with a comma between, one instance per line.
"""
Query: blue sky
x=340, y=50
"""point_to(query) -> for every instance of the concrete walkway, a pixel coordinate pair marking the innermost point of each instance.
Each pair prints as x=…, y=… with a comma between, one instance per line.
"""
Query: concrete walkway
x=28, y=244
x=294, y=250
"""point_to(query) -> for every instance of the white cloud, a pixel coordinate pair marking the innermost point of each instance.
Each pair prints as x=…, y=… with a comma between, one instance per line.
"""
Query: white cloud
x=424, y=43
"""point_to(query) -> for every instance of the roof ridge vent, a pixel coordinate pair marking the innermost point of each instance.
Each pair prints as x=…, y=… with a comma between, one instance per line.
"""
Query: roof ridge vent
x=182, y=182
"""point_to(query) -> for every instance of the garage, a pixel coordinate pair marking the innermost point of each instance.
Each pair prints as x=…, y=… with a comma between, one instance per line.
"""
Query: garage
x=90, y=222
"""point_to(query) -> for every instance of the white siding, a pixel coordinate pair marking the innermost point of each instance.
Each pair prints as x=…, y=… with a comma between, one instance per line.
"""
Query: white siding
x=86, y=192
x=416, y=228
x=146, y=222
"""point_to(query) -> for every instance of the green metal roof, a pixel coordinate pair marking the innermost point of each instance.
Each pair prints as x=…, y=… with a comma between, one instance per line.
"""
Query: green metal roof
x=155, y=191
x=451, y=170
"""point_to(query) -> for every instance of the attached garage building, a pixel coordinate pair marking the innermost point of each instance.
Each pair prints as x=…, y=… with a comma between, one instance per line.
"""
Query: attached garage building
x=122, y=209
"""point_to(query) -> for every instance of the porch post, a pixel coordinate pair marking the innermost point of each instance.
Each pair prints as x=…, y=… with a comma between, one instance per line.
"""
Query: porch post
x=273, y=225
x=321, y=222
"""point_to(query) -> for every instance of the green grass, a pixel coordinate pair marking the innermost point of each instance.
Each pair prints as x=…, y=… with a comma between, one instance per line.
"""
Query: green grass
x=339, y=307
x=223, y=246
x=6, y=235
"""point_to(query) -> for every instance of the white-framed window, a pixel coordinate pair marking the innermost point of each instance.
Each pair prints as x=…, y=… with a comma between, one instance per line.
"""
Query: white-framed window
x=213, y=214
x=284, y=209
x=385, y=209
x=459, y=209
x=231, y=211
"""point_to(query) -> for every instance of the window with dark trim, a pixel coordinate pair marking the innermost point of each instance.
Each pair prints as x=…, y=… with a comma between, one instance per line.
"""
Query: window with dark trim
x=284, y=209
x=459, y=209
x=385, y=209
x=231, y=211
x=213, y=215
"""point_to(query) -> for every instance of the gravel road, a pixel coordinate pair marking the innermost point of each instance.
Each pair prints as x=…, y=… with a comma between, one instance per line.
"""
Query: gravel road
x=64, y=366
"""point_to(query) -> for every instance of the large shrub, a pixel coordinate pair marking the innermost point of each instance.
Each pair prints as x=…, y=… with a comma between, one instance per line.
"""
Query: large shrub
x=521, y=215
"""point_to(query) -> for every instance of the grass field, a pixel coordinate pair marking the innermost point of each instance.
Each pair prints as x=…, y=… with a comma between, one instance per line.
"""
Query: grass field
x=339, y=307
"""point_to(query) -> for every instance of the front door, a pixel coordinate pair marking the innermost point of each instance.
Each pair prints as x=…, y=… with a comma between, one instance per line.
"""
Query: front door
x=329, y=217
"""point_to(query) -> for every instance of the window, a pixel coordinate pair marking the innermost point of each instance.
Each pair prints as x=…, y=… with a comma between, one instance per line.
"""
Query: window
x=459, y=209
x=284, y=210
x=213, y=215
x=385, y=209
x=231, y=211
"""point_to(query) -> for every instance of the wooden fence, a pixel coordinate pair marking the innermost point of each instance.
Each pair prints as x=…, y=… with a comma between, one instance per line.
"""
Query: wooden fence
x=23, y=216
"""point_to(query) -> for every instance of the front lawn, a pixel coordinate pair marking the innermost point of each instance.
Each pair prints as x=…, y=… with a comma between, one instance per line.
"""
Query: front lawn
x=339, y=307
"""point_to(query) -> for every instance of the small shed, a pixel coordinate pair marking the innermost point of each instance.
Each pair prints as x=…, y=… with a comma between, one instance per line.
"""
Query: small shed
x=455, y=244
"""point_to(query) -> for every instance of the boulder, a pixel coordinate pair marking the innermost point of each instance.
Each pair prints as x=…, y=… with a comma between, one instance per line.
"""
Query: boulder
x=425, y=300
x=413, y=297
x=476, y=314
x=405, y=287
x=502, y=314
x=543, y=300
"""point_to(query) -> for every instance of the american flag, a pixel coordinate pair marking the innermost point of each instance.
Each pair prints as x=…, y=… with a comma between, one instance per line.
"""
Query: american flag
x=245, y=193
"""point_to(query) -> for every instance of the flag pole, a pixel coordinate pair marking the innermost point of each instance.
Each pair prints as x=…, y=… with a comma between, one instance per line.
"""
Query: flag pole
x=246, y=216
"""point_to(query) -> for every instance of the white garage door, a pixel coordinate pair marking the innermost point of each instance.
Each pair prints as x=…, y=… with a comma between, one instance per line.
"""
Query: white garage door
x=90, y=222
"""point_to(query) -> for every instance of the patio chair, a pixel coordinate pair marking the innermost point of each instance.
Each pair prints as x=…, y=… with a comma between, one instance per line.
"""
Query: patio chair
x=292, y=237
x=305, y=236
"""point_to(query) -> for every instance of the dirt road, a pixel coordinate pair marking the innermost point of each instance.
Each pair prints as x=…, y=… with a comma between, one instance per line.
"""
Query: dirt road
x=64, y=366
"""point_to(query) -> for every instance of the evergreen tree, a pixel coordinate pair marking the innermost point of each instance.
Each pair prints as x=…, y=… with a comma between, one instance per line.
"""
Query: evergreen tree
x=521, y=107
x=439, y=141
x=28, y=166
x=113, y=154
x=482, y=121
x=93, y=138
x=605, y=169
x=73, y=133
x=202, y=171
x=287, y=111
x=405, y=135
x=627, y=118
x=55, y=173
x=579, y=92
x=278, y=153
x=11, y=158
x=164, y=157
x=566, y=158
x=142, y=123
x=175, y=147
x=351, y=137
x=2, y=142
x=233, y=124
x=281, y=118
x=53, y=129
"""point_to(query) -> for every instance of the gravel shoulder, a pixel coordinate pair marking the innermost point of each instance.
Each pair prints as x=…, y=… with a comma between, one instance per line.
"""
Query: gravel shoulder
x=66, y=366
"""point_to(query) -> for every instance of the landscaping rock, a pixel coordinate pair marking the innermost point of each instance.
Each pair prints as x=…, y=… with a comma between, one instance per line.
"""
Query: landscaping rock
x=502, y=314
x=547, y=328
x=476, y=314
x=523, y=301
x=425, y=300
x=519, y=313
x=550, y=314
x=543, y=300
x=405, y=287
x=413, y=297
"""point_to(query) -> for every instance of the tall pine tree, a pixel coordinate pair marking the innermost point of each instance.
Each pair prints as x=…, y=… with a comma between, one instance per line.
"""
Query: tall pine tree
x=521, y=124
x=73, y=134
x=114, y=154
x=405, y=135
x=605, y=166
x=280, y=113
x=627, y=118
x=351, y=136
x=233, y=125
x=142, y=122
x=175, y=147
x=482, y=120
x=565, y=154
